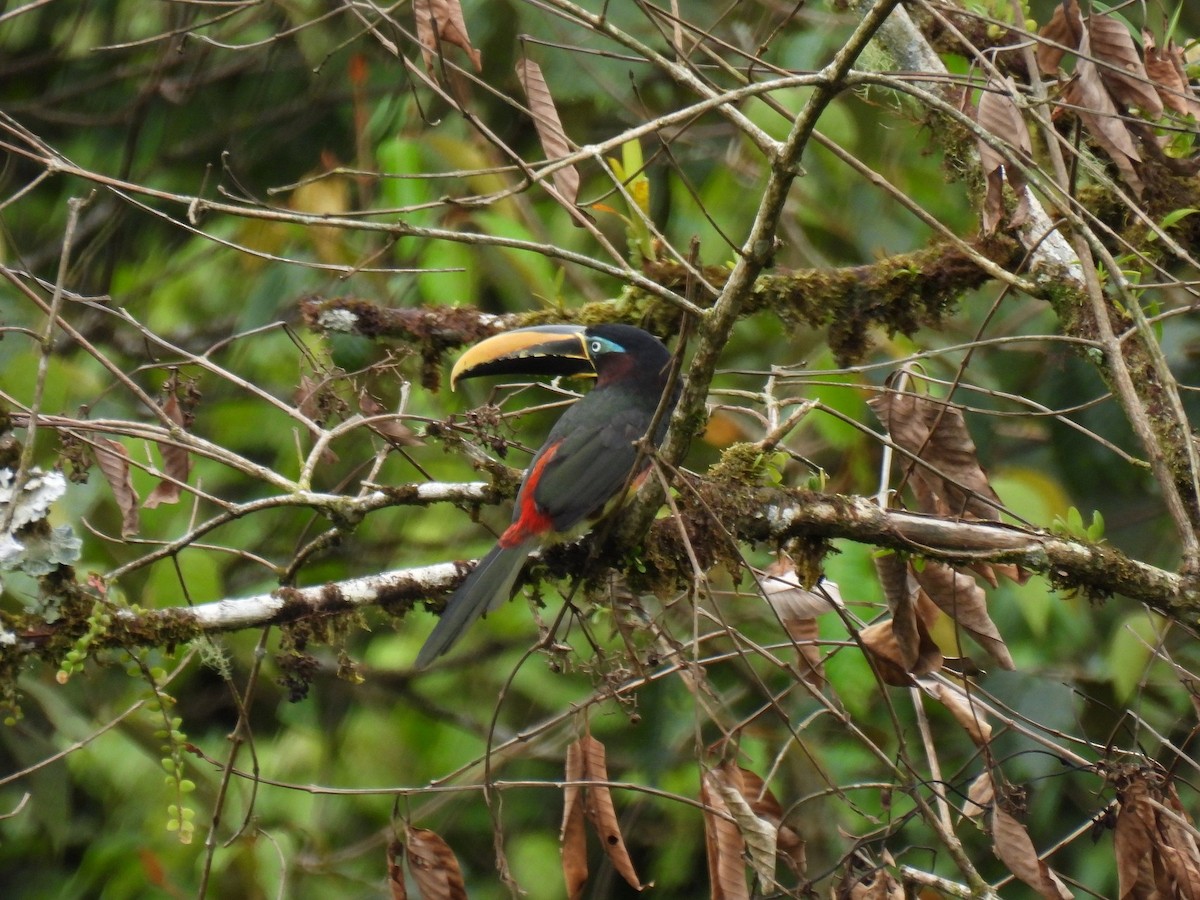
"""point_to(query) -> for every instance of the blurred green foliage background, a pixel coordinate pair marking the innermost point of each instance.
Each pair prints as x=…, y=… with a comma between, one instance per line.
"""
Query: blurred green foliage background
x=299, y=106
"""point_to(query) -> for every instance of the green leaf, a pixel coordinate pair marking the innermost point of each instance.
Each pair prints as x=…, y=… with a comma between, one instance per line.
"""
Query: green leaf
x=1130, y=654
x=1176, y=216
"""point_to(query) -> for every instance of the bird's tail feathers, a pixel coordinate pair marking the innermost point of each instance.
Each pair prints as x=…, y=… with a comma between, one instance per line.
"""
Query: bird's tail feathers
x=485, y=589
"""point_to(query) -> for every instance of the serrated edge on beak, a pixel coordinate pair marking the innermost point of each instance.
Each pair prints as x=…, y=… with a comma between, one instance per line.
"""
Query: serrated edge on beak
x=537, y=342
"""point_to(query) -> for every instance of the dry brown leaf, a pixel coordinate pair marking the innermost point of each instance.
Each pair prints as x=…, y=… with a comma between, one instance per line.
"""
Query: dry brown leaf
x=898, y=585
x=766, y=805
x=602, y=814
x=936, y=433
x=760, y=833
x=894, y=667
x=1014, y=848
x=549, y=126
x=308, y=397
x=998, y=115
x=1066, y=28
x=966, y=713
x=176, y=462
x=1154, y=846
x=573, y=838
x=441, y=21
x=989, y=572
x=882, y=885
x=791, y=600
x=866, y=880
x=1182, y=874
x=806, y=634
x=961, y=598
x=1096, y=110
x=433, y=866
x=880, y=643
x=1126, y=80
x=393, y=431
x=723, y=844
x=793, y=849
x=980, y=796
x=113, y=460
x=1165, y=68
x=903, y=642
x=1132, y=842
x=927, y=610
x=796, y=608
x=901, y=592
x=399, y=891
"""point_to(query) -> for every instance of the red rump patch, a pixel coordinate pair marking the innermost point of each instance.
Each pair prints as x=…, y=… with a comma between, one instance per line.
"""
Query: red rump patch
x=530, y=520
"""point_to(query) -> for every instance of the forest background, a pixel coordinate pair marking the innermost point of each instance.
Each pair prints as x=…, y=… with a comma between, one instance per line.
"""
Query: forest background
x=930, y=271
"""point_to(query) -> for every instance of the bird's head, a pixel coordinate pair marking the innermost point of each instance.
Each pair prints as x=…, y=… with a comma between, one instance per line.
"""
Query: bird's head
x=606, y=352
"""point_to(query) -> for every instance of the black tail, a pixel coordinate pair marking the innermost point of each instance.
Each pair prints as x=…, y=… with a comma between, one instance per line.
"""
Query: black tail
x=489, y=585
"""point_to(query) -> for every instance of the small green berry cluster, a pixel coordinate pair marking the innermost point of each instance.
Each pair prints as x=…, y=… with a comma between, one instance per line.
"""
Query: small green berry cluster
x=98, y=622
x=180, y=817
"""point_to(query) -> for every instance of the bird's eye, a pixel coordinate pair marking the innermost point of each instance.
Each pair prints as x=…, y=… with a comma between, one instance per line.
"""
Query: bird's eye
x=596, y=347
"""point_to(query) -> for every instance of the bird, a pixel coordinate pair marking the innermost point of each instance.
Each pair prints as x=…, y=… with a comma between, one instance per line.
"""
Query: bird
x=589, y=460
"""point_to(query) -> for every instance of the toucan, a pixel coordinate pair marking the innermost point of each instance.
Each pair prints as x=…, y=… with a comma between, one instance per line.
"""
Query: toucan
x=589, y=461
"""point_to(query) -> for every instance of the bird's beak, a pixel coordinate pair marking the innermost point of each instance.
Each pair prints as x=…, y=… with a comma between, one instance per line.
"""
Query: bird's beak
x=540, y=350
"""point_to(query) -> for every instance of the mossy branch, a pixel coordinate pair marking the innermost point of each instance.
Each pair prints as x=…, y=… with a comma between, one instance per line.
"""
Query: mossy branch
x=902, y=293
x=711, y=511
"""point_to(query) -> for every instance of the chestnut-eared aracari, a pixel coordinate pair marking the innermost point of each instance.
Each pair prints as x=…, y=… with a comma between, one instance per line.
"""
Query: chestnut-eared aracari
x=588, y=460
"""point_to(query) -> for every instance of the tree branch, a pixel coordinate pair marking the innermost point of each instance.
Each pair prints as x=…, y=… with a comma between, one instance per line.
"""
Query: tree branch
x=750, y=514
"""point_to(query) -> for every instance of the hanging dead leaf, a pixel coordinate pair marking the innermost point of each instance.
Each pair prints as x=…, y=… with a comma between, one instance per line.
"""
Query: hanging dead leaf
x=308, y=397
x=793, y=849
x=1065, y=29
x=796, y=608
x=898, y=585
x=980, y=796
x=766, y=806
x=393, y=431
x=442, y=21
x=998, y=115
x=549, y=127
x=879, y=641
x=903, y=641
x=1154, y=840
x=572, y=838
x=600, y=811
x=723, y=844
x=867, y=880
x=759, y=833
x=1165, y=68
x=989, y=572
x=901, y=592
x=790, y=599
x=1121, y=66
x=399, y=891
x=113, y=460
x=961, y=598
x=433, y=866
x=176, y=462
x=1015, y=849
x=1087, y=93
x=966, y=712
x=893, y=664
x=1132, y=844
x=936, y=433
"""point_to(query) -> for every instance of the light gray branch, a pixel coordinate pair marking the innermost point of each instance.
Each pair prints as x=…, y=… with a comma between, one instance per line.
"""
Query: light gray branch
x=769, y=515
